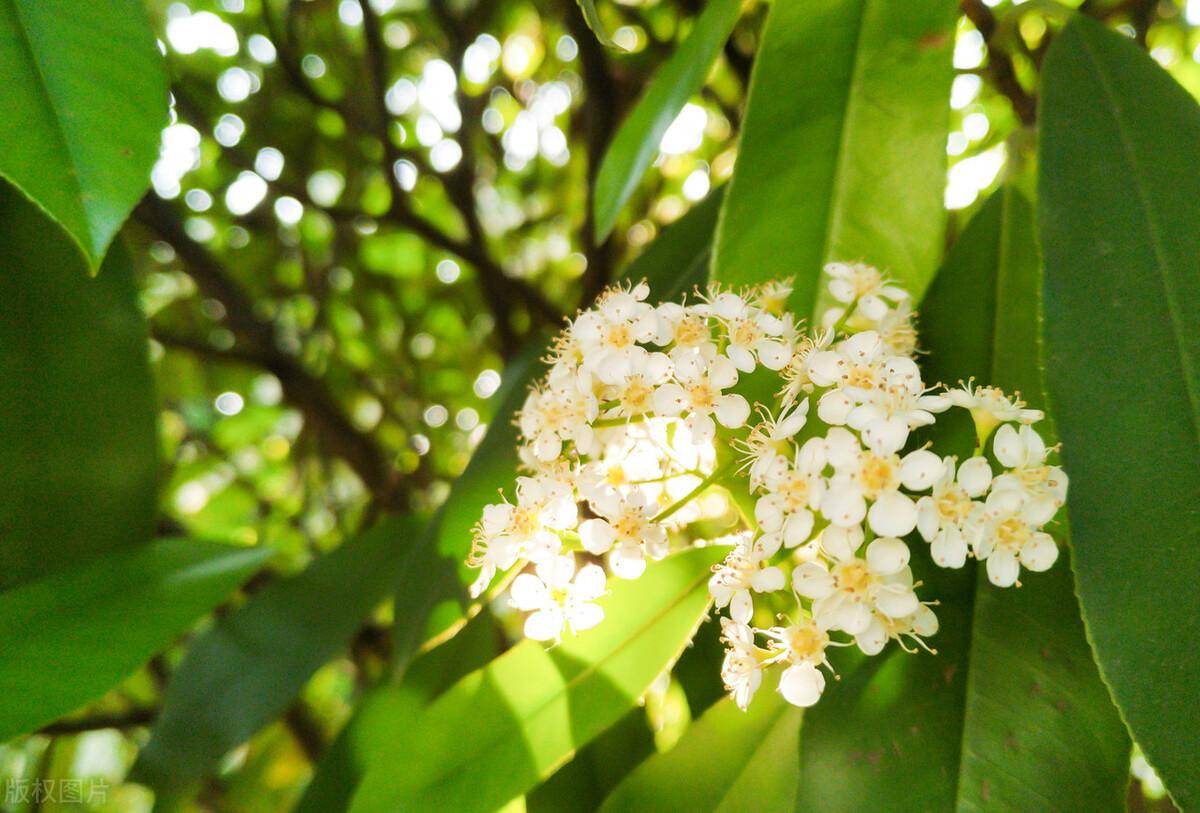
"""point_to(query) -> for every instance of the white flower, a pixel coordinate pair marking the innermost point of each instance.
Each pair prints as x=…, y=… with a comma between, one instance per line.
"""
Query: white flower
x=608, y=333
x=769, y=444
x=554, y=415
x=861, y=283
x=796, y=374
x=634, y=392
x=509, y=532
x=1003, y=532
x=862, y=475
x=1024, y=453
x=685, y=330
x=741, y=670
x=625, y=527
x=754, y=335
x=845, y=595
x=699, y=394
x=802, y=646
x=745, y=568
x=990, y=407
x=792, y=494
x=917, y=626
x=942, y=514
x=557, y=600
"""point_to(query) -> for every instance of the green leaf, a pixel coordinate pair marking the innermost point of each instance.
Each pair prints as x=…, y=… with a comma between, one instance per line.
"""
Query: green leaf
x=592, y=17
x=728, y=761
x=1121, y=203
x=843, y=147
x=393, y=707
x=77, y=441
x=84, y=99
x=243, y=672
x=636, y=142
x=504, y=728
x=1011, y=713
x=71, y=636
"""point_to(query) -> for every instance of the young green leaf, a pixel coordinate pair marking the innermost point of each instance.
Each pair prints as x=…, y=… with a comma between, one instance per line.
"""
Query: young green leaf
x=729, y=760
x=843, y=147
x=636, y=143
x=77, y=441
x=71, y=636
x=592, y=17
x=85, y=100
x=242, y=673
x=1011, y=712
x=506, y=727
x=1121, y=203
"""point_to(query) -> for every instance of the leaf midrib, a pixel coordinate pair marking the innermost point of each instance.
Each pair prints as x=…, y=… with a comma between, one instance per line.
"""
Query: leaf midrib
x=588, y=672
x=43, y=91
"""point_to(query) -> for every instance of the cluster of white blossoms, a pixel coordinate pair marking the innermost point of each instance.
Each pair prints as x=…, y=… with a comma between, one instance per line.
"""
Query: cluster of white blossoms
x=620, y=443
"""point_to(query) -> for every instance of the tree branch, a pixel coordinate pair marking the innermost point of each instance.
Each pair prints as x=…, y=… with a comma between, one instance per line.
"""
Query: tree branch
x=1000, y=65
x=130, y=719
x=369, y=461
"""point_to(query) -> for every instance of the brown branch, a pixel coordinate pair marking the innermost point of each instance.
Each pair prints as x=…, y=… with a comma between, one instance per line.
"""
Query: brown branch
x=600, y=99
x=130, y=719
x=369, y=461
x=1000, y=65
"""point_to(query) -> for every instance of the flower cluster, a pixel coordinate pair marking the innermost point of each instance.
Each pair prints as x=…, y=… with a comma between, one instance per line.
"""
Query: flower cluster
x=620, y=441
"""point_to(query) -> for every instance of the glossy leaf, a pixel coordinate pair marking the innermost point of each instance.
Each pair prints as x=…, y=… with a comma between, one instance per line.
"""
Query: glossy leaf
x=1121, y=203
x=1011, y=713
x=243, y=672
x=728, y=761
x=393, y=707
x=504, y=728
x=71, y=636
x=82, y=120
x=78, y=449
x=635, y=145
x=843, y=148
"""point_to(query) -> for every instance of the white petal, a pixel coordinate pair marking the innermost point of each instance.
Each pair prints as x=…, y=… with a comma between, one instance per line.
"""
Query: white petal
x=742, y=358
x=589, y=584
x=844, y=505
x=925, y=622
x=741, y=608
x=556, y=571
x=975, y=475
x=627, y=562
x=811, y=580
x=732, y=411
x=825, y=367
x=920, y=469
x=1003, y=568
x=834, y=407
x=596, y=535
x=841, y=543
x=802, y=684
x=842, y=449
x=798, y=528
x=669, y=399
x=774, y=355
x=1039, y=553
x=528, y=592
x=928, y=518
x=852, y=617
x=767, y=580
x=766, y=546
x=585, y=616
x=872, y=640
x=896, y=603
x=887, y=436
x=722, y=373
x=949, y=548
x=893, y=514
x=544, y=625
x=887, y=555
x=1008, y=448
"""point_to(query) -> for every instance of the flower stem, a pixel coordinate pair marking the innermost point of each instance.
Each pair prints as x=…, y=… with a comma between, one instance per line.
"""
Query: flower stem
x=717, y=474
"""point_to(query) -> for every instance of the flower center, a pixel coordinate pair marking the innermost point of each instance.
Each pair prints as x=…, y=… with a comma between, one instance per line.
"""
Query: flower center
x=702, y=397
x=636, y=396
x=953, y=505
x=630, y=525
x=807, y=642
x=744, y=333
x=794, y=488
x=861, y=376
x=853, y=577
x=879, y=474
x=691, y=331
x=1012, y=534
x=1033, y=476
x=525, y=521
x=618, y=336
